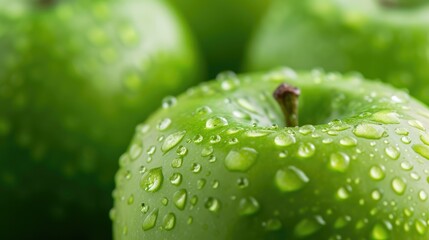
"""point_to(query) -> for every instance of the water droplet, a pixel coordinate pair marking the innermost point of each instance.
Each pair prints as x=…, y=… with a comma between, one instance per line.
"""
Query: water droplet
x=273, y=224
x=182, y=151
x=203, y=110
x=290, y=179
x=242, y=182
x=144, y=208
x=306, y=150
x=241, y=160
x=306, y=129
x=368, y=130
x=164, y=201
x=196, y=168
x=179, y=199
x=423, y=195
x=381, y=231
x=416, y=124
x=198, y=138
x=207, y=151
x=392, y=152
x=422, y=150
x=151, y=150
x=402, y=131
x=215, y=184
x=242, y=115
x=150, y=221
x=327, y=140
x=212, y=204
x=244, y=103
x=135, y=151
x=308, y=226
x=212, y=159
x=343, y=193
x=376, y=195
x=339, y=161
x=258, y=133
x=177, y=162
x=130, y=199
x=176, y=179
x=216, y=122
x=172, y=140
x=348, y=141
x=168, y=102
x=248, y=206
x=215, y=139
x=386, y=117
x=284, y=140
x=233, y=141
x=342, y=222
x=376, y=172
x=421, y=226
x=406, y=140
x=169, y=221
x=164, y=124
x=152, y=180
x=201, y=183
x=398, y=185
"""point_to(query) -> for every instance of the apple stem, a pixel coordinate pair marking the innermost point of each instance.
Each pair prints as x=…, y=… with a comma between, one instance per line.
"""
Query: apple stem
x=287, y=97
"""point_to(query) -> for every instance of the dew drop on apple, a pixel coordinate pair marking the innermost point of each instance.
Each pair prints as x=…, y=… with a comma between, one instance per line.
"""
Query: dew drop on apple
x=422, y=150
x=386, y=117
x=327, y=140
x=212, y=204
x=369, y=131
x=343, y=193
x=198, y=138
x=176, y=179
x=201, y=183
x=168, y=102
x=258, y=133
x=402, y=131
x=376, y=195
x=339, y=161
x=416, y=124
x=233, y=141
x=130, y=199
x=163, y=124
x=421, y=226
x=290, y=179
x=272, y=224
x=203, y=110
x=177, y=162
x=342, y=222
x=406, y=139
x=284, y=140
x=308, y=226
x=112, y=214
x=216, y=122
x=242, y=182
x=407, y=166
x=248, y=206
x=306, y=150
x=179, y=198
x=135, y=151
x=169, y=221
x=152, y=180
x=215, y=139
x=376, y=172
x=150, y=221
x=241, y=160
x=245, y=104
x=172, y=140
x=424, y=138
x=182, y=151
x=306, y=129
x=381, y=231
x=164, y=201
x=196, y=168
x=348, y=141
x=423, y=196
x=207, y=151
x=398, y=185
x=392, y=152
x=242, y=115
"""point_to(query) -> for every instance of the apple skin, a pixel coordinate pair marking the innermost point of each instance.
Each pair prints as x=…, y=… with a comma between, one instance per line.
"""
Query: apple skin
x=381, y=42
x=75, y=77
x=219, y=164
x=223, y=28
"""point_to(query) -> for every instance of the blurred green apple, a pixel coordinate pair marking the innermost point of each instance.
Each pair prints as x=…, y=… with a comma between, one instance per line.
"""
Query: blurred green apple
x=75, y=76
x=222, y=28
x=385, y=39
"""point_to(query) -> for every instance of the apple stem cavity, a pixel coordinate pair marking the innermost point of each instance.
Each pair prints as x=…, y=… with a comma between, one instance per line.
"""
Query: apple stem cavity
x=287, y=96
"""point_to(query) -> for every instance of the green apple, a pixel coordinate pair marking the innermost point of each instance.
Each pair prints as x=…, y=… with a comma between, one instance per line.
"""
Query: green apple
x=384, y=39
x=221, y=163
x=222, y=28
x=74, y=77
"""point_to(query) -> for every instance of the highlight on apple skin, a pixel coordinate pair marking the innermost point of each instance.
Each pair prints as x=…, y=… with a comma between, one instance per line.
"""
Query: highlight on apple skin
x=218, y=162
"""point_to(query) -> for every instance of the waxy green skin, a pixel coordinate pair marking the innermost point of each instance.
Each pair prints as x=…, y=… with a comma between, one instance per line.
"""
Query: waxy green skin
x=220, y=164
x=223, y=28
x=75, y=77
x=387, y=42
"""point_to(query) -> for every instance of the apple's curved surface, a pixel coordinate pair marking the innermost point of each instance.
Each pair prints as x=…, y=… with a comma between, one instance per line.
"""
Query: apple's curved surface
x=218, y=163
x=384, y=39
x=74, y=77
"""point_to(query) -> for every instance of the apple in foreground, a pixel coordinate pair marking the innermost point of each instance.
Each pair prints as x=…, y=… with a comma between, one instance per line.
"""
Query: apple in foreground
x=74, y=77
x=384, y=39
x=222, y=28
x=350, y=160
